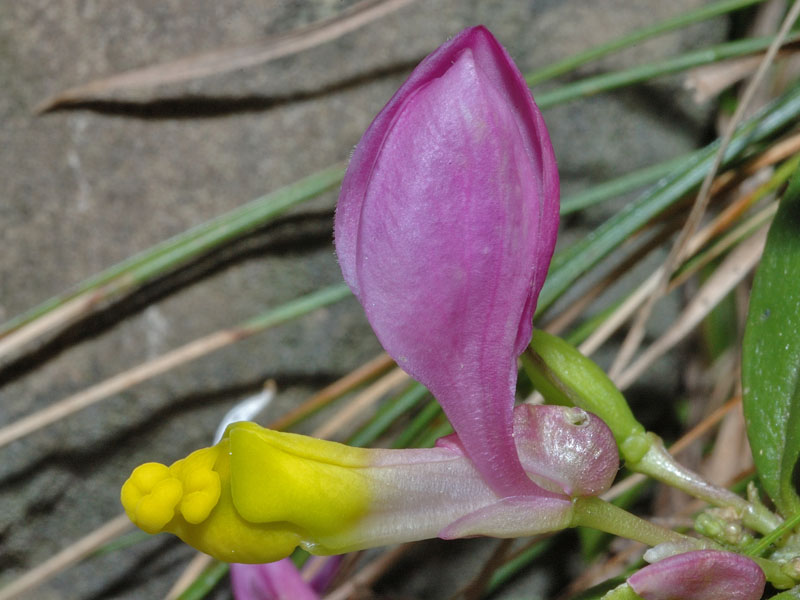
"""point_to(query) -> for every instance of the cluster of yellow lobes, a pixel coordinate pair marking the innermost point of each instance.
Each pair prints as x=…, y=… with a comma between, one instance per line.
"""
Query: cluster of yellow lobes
x=253, y=497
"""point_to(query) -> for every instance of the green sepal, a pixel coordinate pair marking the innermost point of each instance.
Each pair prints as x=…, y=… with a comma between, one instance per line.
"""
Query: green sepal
x=565, y=376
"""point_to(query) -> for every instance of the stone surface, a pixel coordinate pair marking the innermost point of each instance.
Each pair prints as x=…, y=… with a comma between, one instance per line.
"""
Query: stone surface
x=87, y=187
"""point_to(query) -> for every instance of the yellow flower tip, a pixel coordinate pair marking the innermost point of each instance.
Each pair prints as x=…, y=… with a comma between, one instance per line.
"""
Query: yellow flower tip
x=150, y=496
x=255, y=496
x=154, y=492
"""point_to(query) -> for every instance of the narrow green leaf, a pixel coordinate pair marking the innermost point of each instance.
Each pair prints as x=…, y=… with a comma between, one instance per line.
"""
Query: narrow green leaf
x=771, y=357
x=617, y=79
x=682, y=20
x=792, y=594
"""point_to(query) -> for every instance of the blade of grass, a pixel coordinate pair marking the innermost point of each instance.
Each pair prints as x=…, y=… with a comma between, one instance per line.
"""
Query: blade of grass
x=387, y=415
x=163, y=257
x=505, y=572
x=624, y=184
x=573, y=62
x=612, y=81
x=206, y=582
x=200, y=347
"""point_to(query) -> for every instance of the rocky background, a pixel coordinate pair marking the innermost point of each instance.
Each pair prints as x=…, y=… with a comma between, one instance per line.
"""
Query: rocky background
x=85, y=187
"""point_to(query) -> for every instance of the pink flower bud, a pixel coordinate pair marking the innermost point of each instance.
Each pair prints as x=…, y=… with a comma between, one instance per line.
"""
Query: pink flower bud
x=700, y=575
x=445, y=228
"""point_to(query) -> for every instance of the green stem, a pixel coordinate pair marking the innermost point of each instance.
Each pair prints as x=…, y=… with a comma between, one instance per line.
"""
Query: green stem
x=593, y=512
x=573, y=62
x=662, y=466
x=758, y=547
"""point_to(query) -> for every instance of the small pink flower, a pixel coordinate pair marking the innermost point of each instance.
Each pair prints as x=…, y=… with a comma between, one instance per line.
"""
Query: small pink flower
x=700, y=575
x=281, y=580
x=445, y=227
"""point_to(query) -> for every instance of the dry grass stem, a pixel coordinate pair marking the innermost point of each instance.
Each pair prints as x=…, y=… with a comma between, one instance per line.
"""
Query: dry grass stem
x=678, y=250
x=223, y=61
x=192, y=571
x=66, y=558
x=368, y=575
x=120, y=382
x=338, y=388
x=362, y=401
x=64, y=314
x=708, y=81
x=732, y=270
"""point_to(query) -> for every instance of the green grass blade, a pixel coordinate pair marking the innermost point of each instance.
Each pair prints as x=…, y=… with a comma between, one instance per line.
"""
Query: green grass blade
x=384, y=418
x=180, y=249
x=206, y=582
x=573, y=62
x=572, y=262
x=624, y=184
x=617, y=79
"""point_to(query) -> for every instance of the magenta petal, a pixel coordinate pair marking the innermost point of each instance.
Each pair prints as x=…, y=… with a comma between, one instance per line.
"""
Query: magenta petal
x=271, y=581
x=445, y=228
x=700, y=575
x=321, y=570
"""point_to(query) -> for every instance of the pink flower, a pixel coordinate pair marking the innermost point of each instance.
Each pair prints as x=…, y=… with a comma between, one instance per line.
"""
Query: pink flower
x=281, y=580
x=445, y=228
x=700, y=575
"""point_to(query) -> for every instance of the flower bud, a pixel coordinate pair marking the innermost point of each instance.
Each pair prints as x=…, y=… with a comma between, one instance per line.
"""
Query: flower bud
x=445, y=228
x=700, y=575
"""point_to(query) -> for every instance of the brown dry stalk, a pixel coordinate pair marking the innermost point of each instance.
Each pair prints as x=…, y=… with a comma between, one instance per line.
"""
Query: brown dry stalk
x=66, y=558
x=732, y=270
x=362, y=401
x=114, y=385
x=67, y=312
x=223, y=61
x=368, y=574
x=338, y=388
x=192, y=571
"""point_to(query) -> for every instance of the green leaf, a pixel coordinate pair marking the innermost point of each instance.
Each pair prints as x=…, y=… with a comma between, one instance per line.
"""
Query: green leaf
x=771, y=357
x=792, y=594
